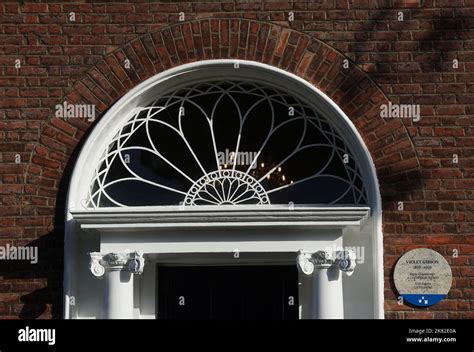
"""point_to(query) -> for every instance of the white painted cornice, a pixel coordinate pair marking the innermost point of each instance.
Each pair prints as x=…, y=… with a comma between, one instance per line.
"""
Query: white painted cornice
x=219, y=217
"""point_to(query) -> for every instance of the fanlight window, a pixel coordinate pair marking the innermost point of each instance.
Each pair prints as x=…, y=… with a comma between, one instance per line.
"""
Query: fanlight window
x=227, y=143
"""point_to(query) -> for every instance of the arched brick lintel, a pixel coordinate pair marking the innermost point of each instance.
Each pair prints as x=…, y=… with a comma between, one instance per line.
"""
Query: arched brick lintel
x=351, y=88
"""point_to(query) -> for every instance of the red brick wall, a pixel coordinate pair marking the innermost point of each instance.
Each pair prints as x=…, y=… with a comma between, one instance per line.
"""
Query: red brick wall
x=409, y=61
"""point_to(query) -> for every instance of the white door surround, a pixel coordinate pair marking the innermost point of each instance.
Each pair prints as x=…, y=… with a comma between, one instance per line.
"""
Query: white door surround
x=315, y=232
x=123, y=242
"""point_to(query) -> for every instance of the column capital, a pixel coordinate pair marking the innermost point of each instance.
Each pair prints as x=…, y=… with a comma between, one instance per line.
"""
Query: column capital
x=304, y=262
x=344, y=260
x=323, y=259
x=131, y=261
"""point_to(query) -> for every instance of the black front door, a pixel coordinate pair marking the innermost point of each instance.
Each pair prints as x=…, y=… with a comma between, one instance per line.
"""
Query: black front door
x=228, y=292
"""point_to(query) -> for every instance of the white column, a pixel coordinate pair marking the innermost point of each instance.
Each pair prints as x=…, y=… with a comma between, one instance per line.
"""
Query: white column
x=327, y=292
x=118, y=269
x=325, y=274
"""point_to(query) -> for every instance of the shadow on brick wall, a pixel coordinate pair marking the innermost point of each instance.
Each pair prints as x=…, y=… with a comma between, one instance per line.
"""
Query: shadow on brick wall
x=42, y=281
x=37, y=289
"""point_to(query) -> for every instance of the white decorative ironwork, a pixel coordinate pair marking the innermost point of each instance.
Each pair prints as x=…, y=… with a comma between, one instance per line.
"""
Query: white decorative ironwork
x=226, y=187
x=168, y=152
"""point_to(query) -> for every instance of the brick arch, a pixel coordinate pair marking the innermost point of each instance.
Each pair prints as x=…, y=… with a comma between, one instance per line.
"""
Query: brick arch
x=352, y=89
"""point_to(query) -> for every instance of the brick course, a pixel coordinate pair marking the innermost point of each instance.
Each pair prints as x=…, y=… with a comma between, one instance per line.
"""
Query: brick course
x=407, y=62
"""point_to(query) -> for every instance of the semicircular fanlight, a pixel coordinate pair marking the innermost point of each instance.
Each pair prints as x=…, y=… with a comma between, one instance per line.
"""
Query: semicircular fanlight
x=226, y=143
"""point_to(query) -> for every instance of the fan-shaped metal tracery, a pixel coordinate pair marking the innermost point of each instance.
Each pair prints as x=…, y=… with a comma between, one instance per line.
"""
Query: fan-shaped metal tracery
x=226, y=143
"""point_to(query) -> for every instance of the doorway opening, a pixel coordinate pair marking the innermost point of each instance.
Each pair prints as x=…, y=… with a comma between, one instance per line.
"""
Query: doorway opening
x=228, y=292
